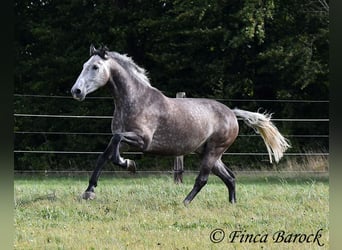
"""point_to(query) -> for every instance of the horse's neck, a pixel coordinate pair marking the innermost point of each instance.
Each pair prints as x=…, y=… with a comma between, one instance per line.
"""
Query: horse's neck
x=126, y=92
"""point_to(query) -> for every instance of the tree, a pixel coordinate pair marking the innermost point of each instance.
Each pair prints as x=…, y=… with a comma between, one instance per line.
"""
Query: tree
x=269, y=49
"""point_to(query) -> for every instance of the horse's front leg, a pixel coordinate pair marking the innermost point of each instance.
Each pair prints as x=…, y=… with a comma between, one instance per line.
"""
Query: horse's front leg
x=132, y=139
x=89, y=194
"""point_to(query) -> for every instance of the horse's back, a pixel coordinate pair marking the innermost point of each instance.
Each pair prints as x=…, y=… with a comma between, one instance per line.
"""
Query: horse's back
x=206, y=111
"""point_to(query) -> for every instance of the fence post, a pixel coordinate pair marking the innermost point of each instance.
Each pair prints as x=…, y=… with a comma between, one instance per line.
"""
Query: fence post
x=178, y=164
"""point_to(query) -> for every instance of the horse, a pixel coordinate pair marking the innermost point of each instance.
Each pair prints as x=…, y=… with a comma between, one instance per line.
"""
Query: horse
x=152, y=123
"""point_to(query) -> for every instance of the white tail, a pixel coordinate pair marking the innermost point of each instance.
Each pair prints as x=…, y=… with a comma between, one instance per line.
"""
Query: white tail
x=276, y=144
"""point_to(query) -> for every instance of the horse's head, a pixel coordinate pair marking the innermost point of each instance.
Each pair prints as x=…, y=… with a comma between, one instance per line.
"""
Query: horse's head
x=95, y=73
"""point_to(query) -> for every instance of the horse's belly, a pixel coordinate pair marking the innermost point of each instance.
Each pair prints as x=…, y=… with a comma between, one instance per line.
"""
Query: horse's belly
x=174, y=144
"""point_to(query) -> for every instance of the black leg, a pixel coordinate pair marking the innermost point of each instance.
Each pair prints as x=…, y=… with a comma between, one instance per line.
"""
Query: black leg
x=200, y=182
x=227, y=177
x=131, y=139
x=113, y=152
x=103, y=158
x=116, y=157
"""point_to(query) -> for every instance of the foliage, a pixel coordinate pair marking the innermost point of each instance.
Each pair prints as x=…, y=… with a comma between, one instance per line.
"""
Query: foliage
x=269, y=49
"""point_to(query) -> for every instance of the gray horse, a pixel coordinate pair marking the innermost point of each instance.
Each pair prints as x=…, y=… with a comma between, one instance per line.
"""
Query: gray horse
x=150, y=122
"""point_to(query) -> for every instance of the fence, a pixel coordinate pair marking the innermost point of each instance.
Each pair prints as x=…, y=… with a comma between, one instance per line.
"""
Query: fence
x=296, y=138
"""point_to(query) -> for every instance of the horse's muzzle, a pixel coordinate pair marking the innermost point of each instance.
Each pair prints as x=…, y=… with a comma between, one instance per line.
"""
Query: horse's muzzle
x=77, y=94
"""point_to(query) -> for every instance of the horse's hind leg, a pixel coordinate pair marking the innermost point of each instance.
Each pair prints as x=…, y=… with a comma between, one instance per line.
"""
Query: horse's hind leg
x=207, y=164
x=227, y=177
x=200, y=182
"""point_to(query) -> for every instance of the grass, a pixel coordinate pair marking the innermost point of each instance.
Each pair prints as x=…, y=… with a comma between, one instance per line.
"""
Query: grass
x=147, y=213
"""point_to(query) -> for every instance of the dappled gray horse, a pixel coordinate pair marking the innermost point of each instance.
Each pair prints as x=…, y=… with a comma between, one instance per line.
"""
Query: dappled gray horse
x=150, y=122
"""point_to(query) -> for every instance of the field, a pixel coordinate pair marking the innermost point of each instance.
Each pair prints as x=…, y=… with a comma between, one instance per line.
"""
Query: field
x=147, y=213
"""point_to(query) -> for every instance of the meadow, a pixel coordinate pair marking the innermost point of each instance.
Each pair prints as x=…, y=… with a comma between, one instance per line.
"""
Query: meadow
x=146, y=212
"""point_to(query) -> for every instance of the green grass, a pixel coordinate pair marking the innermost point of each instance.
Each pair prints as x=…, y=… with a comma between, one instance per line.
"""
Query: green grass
x=147, y=213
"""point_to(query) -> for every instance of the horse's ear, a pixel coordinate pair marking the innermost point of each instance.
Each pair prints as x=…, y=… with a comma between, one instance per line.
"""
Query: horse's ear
x=92, y=50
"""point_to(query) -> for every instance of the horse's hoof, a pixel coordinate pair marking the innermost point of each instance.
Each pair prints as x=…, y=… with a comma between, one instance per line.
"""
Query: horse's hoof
x=186, y=202
x=232, y=201
x=88, y=195
x=131, y=166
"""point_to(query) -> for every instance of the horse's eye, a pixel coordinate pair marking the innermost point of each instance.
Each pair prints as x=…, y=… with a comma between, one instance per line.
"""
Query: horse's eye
x=95, y=67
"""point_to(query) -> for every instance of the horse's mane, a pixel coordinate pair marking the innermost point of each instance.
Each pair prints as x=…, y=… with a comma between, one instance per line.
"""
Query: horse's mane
x=132, y=68
x=136, y=72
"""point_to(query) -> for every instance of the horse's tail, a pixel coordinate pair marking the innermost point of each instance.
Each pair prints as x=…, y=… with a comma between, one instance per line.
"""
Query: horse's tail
x=276, y=144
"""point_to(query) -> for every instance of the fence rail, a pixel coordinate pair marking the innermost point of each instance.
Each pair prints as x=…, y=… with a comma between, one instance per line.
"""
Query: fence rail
x=221, y=100
x=111, y=117
x=69, y=152
x=110, y=134
x=140, y=153
x=123, y=172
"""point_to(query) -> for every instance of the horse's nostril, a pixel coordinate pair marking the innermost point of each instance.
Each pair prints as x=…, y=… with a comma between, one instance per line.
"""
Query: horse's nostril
x=78, y=94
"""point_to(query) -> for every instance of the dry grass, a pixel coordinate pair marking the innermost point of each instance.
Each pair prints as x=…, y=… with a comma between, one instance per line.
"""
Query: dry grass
x=314, y=163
